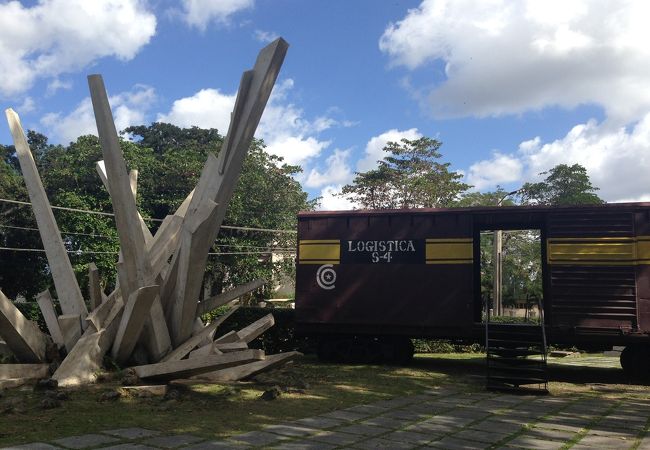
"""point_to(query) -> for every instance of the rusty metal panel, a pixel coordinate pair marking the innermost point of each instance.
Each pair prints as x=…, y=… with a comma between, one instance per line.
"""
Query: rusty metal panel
x=592, y=257
x=385, y=271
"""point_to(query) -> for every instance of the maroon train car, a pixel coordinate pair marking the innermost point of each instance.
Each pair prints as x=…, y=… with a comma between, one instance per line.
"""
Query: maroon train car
x=387, y=275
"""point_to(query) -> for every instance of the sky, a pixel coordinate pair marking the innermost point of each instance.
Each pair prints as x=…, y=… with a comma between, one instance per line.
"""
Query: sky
x=510, y=88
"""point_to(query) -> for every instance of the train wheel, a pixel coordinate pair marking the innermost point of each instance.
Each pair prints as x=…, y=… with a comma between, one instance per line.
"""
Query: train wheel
x=635, y=361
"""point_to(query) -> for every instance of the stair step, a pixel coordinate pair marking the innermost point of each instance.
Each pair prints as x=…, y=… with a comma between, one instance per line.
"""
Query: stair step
x=511, y=352
x=512, y=343
x=518, y=381
x=517, y=390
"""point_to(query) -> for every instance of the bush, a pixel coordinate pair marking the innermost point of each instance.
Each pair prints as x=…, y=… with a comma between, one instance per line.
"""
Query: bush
x=445, y=346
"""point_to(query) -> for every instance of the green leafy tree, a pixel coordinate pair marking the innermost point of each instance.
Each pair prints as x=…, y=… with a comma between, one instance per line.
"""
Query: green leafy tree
x=563, y=185
x=169, y=160
x=409, y=176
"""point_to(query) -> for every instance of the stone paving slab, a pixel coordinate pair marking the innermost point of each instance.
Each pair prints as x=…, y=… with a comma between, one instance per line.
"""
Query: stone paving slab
x=259, y=438
x=132, y=433
x=34, y=446
x=291, y=430
x=441, y=418
x=533, y=443
x=129, y=446
x=85, y=441
x=172, y=441
x=218, y=445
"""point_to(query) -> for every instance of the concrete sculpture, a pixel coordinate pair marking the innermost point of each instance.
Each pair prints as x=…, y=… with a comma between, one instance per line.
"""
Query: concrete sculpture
x=154, y=310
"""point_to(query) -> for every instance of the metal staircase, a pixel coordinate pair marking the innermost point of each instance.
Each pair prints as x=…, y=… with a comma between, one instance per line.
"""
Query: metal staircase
x=516, y=356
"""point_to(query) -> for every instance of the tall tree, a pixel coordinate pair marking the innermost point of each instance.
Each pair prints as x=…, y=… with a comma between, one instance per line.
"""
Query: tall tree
x=409, y=176
x=563, y=185
x=169, y=161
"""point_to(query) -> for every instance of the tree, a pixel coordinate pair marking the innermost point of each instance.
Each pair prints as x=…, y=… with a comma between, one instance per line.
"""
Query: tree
x=169, y=161
x=563, y=185
x=410, y=176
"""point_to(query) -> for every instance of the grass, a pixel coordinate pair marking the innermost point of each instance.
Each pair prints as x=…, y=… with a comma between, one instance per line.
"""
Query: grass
x=215, y=411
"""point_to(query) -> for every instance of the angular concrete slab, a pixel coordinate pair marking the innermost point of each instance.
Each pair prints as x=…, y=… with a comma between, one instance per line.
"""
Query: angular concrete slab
x=248, y=370
x=29, y=371
x=256, y=328
x=45, y=303
x=94, y=286
x=196, y=366
x=192, y=342
x=67, y=289
x=22, y=336
x=134, y=315
x=216, y=301
x=70, y=325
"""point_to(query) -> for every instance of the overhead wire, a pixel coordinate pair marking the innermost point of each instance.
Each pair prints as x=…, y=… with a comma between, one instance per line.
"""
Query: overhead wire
x=87, y=211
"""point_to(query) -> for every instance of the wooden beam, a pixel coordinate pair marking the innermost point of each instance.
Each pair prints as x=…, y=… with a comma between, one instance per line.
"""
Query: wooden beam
x=22, y=336
x=45, y=303
x=195, y=366
x=65, y=282
x=216, y=301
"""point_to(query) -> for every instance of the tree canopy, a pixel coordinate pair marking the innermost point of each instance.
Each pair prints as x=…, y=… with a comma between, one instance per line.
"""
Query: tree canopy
x=169, y=160
x=563, y=185
x=409, y=176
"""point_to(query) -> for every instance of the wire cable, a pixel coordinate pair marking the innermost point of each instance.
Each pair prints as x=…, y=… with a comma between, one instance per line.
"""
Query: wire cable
x=86, y=211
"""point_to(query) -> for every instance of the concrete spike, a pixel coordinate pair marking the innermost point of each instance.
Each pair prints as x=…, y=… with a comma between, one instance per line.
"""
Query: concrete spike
x=45, y=303
x=216, y=301
x=195, y=366
x=65, y=282
x=135, y=312
x=22, y=336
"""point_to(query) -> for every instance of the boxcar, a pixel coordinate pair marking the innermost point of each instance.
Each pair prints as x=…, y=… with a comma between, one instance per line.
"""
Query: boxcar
x=382, y=277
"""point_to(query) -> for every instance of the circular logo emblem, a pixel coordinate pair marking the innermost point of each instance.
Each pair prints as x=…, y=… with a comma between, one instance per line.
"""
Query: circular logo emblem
x=326, y=276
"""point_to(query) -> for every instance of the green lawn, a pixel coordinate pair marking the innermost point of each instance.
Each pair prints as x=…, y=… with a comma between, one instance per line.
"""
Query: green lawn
x=221, y=410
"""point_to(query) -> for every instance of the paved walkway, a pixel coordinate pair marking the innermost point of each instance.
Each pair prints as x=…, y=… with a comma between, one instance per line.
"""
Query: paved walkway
x=442, y=419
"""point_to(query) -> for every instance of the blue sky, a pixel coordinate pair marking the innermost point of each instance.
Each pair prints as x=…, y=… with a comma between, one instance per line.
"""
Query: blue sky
x=511, y=88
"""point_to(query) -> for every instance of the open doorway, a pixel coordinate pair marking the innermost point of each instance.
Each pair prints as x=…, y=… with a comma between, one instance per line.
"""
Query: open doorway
x=511, y=279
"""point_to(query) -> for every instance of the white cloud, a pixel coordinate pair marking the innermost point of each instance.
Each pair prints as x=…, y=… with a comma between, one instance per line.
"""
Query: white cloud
x=374, y=149
x=503, y=57
x=330, y=201
x=55, y=85
x=59, y=36
x=617, y=159
x=27, y=106
x=338, y=171
x=199, y=13
x=497, y=170
x=265, y=36
x=129, y=108
x=208, y=108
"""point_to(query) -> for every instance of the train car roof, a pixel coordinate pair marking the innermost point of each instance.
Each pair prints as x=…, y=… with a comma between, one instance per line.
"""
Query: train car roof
x=473, y=209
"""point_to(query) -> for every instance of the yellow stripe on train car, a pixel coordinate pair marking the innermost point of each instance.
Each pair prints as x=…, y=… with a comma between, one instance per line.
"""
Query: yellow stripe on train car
x=449, y=251
x=326, y=251
x=616, y=251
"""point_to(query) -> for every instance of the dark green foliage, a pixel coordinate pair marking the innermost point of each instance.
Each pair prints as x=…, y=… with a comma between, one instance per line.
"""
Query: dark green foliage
x=410, y=176
x=169, y=161
x=444, y=346
x=564, y=185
